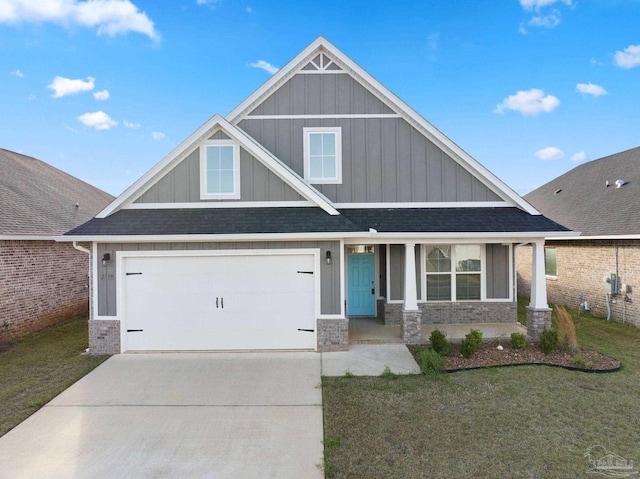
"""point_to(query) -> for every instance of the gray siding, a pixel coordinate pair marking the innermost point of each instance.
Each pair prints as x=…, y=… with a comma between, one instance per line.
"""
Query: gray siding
x=396, y=272
x=321, y=94
x=383, y=160
x=329, y=274
x=182, y=183
x=497, y=270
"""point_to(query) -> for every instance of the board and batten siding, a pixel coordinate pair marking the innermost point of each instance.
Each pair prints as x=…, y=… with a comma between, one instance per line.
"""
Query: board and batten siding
x=383, y=160
x=182, y=183
x=107, y=276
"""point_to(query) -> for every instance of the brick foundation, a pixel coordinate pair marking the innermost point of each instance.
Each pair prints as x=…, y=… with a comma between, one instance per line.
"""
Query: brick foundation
x=41, y=283
x=333, y=335
x=457, y=313
x=537, y=321
x=104, y=336
x=410, y=327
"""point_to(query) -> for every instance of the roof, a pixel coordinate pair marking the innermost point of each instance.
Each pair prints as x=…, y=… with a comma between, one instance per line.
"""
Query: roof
x=37, y=199
x=580, y=199
x=239, y=221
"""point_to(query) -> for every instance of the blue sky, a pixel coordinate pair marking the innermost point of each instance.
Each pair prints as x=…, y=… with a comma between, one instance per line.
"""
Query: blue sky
x=530, y=88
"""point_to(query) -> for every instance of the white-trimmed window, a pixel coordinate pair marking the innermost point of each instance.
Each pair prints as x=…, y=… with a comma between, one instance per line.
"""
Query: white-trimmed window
x=220, y=170
x=323, y=155
x=550, y=262
x=453, y=272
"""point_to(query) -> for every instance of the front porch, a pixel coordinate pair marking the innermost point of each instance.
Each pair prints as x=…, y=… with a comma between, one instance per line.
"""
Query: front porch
x=374, y=331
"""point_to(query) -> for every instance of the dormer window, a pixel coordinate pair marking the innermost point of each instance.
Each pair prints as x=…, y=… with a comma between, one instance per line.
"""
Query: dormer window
x=323, y=155
x=220, y=170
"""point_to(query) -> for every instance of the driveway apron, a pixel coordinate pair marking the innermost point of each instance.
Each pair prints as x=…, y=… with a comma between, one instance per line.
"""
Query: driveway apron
x=178, y=415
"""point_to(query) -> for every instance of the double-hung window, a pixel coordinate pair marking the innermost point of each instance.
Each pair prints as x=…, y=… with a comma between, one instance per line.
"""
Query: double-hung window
x=453, y=272
x=323, y=155
x=219, y=170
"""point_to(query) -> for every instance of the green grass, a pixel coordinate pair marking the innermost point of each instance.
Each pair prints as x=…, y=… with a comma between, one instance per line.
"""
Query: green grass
x=40, y=366
x=517, y=422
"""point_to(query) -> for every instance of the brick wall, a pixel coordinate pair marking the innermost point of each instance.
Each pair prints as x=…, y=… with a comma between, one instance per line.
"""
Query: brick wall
x=463, y=312
x=332, y=335
x=581, y=267
x=41, y=283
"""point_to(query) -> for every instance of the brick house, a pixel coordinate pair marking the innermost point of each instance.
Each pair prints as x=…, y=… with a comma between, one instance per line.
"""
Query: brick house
x=601, y=200
x=41, y=281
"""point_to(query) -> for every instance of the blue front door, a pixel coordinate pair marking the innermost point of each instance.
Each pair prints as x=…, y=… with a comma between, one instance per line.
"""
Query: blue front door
x=361, y=299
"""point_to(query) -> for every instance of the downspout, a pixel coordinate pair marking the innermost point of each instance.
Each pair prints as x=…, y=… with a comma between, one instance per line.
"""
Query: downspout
x=82, y=248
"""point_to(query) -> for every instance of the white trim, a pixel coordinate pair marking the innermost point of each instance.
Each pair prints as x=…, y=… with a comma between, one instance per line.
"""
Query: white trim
x=189, y=145
x=27, y=238
x=186, y=238
x=93, y=312
x=336, y=131
x=321, y=45
x=218, y=204
x=440, y=204
x=388, y=273
x=595, y=237
x=343, y=281
x=335, y=116
x=204, y=193
x=321, y=72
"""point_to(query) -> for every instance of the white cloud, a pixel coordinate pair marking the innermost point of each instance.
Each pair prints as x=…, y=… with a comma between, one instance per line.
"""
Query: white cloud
x=157, y=135
x=591, y=89
x=249, y=10
x=538, y=4
x=101, y=95
x=550, y=153
x=98, y=120
x=129, y=124
x=211, y=3
x=530, y=102
x=581, y=156
x=266, y=66
x=629, y=58
x=17, y=73
x=109, y=17
x=549, y=21
x=66, y=86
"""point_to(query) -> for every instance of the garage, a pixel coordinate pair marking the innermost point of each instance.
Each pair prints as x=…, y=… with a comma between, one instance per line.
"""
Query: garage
x=223, y=300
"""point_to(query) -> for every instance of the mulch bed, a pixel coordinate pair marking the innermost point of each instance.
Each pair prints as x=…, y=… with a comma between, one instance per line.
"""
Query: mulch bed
x=491, y=356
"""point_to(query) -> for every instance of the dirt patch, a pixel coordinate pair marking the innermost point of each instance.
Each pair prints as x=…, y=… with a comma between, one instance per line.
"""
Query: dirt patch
x=490, y=356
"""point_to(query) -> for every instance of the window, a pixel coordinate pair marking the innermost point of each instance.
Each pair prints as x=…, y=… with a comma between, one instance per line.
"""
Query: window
x=219, y=170
x=323, y=155
x=454, y=272
x=550, y=264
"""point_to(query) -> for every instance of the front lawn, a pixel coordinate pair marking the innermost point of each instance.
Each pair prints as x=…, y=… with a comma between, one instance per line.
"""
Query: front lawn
x=40, y=366
x=516, y=422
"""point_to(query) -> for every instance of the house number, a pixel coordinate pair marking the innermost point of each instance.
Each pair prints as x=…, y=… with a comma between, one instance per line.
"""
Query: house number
x=107, y=277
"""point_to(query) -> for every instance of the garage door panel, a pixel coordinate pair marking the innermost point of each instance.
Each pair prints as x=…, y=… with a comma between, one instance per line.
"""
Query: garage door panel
x=220, y=302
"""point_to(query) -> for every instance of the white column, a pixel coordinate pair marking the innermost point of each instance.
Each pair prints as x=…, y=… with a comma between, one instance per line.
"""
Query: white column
x=538, y=279
x=410, y=291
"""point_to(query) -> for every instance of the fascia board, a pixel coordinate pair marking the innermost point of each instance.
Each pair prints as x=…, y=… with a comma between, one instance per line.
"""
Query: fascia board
x=408, y=113
x=26, y=238
x=211, y=238
x=598, y=237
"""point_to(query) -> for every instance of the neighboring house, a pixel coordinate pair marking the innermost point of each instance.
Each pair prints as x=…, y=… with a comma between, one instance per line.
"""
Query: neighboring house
x=601, y=200
x=321, y=197
x=41, y=281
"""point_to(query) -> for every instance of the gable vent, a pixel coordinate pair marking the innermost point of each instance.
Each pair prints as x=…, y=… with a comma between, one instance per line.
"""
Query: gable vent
x=321, y=62
x=619, y=183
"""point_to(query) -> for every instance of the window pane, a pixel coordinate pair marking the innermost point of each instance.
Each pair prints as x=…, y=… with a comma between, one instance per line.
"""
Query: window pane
x=467, y=286
x=226, y=157
x=315, y=167
x=468, y=257
x=438, y=287
x=329, y=143
x=438, y=258
x=315, y=144
x=550, y=265
x=213, y=182
x=213, y=157
x=226, y=182
x=329, y=167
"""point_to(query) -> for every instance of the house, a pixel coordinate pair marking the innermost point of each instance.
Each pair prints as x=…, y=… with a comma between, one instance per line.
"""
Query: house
x=599, y=269
x=41, y=281
x=321, y=197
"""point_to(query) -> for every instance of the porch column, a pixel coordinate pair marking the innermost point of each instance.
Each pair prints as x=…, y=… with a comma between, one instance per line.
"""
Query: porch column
x=411, y=315
x=538, y=312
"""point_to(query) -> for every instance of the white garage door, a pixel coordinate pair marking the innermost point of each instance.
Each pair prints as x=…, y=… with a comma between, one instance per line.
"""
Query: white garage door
x=219, y=302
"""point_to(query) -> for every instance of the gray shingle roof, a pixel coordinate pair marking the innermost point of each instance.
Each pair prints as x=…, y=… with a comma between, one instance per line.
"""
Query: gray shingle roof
x=580, y=200
x=313, y=220
x=38, y=199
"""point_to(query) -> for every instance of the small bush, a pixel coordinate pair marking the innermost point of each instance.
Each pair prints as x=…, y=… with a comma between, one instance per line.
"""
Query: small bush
x=579, y=361
x=518, y=340
x=439, y=343
x=471, y=343
x=549, y=341
x=566, y=330
x=431, y=362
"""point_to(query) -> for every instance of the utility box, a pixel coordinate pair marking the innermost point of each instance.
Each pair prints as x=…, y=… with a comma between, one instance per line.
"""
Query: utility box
x=610, y=284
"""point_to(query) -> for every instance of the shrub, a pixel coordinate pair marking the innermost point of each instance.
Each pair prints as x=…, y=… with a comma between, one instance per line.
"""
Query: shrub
x=549, y=341
x=471, y=343
x=518, y=340
x=579, y=361
x=431, y=362
x=438, y=341
x=566, y=330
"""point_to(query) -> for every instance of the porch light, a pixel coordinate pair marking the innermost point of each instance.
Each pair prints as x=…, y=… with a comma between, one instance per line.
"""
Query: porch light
x=327, y=257
x=106, y=258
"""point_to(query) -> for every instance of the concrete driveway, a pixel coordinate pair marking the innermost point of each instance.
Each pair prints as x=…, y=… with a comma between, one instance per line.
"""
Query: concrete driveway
x=178, y=415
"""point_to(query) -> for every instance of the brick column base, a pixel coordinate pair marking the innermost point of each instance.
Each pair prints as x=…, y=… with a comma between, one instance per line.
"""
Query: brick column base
x=410, y=326
x=537, y=321
x=104, y=336
x=333, y=335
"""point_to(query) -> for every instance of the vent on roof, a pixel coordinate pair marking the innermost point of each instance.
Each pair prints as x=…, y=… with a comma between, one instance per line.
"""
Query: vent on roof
x=619, y=183
x=557, y=191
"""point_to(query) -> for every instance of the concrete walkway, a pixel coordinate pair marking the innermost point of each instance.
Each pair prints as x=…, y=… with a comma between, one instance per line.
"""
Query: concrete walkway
x=369, y=360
